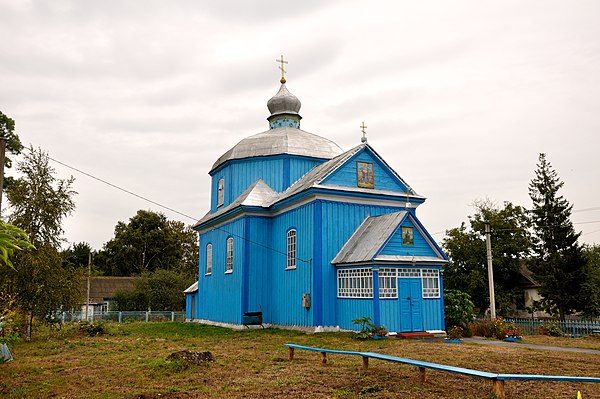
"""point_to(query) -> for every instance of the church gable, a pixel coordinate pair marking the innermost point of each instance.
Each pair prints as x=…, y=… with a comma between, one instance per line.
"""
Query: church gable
x=409, y=239
x=366, y=170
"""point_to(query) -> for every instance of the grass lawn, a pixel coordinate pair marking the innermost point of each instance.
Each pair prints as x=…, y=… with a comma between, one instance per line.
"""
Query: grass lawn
x=129, y=361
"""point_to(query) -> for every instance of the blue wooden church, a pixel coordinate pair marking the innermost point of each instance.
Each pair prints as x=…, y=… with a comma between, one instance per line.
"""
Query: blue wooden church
x=310, y=236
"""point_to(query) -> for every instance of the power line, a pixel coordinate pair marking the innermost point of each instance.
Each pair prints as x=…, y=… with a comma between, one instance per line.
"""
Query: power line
x=257, y=243
x=596, y=208
x=122, y=189
x=169, y=208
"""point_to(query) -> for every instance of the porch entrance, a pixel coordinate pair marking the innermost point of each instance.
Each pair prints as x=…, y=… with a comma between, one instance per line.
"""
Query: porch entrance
x=411, y=304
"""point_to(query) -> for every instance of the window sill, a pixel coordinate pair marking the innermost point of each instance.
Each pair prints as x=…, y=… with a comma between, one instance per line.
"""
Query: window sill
x=208, y=274
x=229, y=272
x=290, y=268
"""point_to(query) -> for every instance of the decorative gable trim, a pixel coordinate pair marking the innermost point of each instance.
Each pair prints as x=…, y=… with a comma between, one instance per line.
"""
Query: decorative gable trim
x=370, y=238
x=353, y=156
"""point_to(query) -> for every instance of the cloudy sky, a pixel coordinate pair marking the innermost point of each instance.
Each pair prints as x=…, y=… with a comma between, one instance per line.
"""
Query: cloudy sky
x=459, y=97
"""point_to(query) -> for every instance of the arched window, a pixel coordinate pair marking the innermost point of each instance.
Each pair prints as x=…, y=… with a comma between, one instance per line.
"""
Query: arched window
x=229, y=258
x=209, y=259
x=291, y=249
x=221, y=192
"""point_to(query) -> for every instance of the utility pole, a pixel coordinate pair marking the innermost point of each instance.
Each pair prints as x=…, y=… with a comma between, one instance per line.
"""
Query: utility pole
x=2, y=156
x=488, y=244
x=87, y=302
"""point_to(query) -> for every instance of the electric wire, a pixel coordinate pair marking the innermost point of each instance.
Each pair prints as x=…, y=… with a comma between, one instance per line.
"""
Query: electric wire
x=171, y=209
x=266, y=246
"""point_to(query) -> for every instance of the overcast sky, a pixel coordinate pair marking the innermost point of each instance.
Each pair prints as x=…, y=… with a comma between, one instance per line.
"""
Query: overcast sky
x=459, y=97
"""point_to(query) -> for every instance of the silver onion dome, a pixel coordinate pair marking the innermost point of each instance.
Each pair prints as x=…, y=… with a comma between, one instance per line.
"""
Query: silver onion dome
x=284, y=102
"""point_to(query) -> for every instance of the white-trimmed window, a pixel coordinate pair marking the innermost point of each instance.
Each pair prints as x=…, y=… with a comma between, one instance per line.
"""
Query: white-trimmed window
x=355, y=283
x=409, y=273
x=388, y=283
x=229, y=257
x=291, y=249
x=221, y=192
x=431, y=283
x=208, y=259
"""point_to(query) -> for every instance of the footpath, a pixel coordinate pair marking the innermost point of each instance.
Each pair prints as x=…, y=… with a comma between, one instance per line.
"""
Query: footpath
x=493, y=342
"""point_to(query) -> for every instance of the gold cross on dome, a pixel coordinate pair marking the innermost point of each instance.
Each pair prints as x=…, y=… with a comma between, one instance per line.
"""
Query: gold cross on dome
x=364, y=137
x=282, y=61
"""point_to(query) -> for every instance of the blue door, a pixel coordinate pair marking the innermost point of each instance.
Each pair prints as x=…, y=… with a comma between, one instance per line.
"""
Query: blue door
x=411, y=309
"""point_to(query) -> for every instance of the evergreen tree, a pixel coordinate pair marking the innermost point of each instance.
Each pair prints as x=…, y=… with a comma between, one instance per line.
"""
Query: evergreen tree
x=559, y=264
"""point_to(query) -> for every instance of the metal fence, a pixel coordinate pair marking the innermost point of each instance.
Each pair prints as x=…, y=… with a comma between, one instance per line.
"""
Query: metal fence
x=571, y=328
x=122, y=317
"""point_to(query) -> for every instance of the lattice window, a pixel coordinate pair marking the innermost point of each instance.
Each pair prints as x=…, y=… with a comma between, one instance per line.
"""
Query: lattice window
x=291, y=249
x=229, y=259
x=388, y=283
x=431, y=283
x=355, y=283
x=208, y=258
x=221, y=192
x=409, y=273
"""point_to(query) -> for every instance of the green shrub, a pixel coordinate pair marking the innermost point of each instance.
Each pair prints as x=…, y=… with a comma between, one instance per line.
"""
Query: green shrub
x=552, y=328
x=368, y=329
x=497, y=328
x=91, y=329
x=458, y=309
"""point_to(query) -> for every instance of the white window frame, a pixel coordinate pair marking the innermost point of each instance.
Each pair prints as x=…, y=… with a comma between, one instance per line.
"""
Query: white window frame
x=409, y=273
x=221, y=192
x=355, y=283
x=430, y=283
x=229, y=256
x=291, y=240
x=209, y=258
x=388, y=283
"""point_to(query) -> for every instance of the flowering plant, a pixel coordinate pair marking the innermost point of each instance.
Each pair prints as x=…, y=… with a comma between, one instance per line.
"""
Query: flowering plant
x=513, y=331
x=456, y=332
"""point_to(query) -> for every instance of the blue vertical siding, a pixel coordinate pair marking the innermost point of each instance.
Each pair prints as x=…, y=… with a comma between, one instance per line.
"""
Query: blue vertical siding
x=384, y=178
x=287, y=286
x=390, y=313
x=355, y=308
x=258, y=267
x=340, y=220
x=433, y=318
x=300, y=166
x=220, y=294
x=420, y=247
x=279, y=172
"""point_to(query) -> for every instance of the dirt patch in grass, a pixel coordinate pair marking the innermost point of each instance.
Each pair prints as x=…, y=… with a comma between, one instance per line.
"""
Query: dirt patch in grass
x=130, y=361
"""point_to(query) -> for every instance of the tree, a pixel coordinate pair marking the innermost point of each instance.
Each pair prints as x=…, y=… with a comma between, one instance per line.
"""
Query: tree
x=147, y=243
x=467, y=270
x=39, y=201
x=41, y=282
x=78, y=254
x=559, y=263
x=160, y=290
x=13, y=143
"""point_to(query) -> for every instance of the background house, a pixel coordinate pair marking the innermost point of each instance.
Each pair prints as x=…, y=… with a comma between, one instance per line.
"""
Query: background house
x=102, y=290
